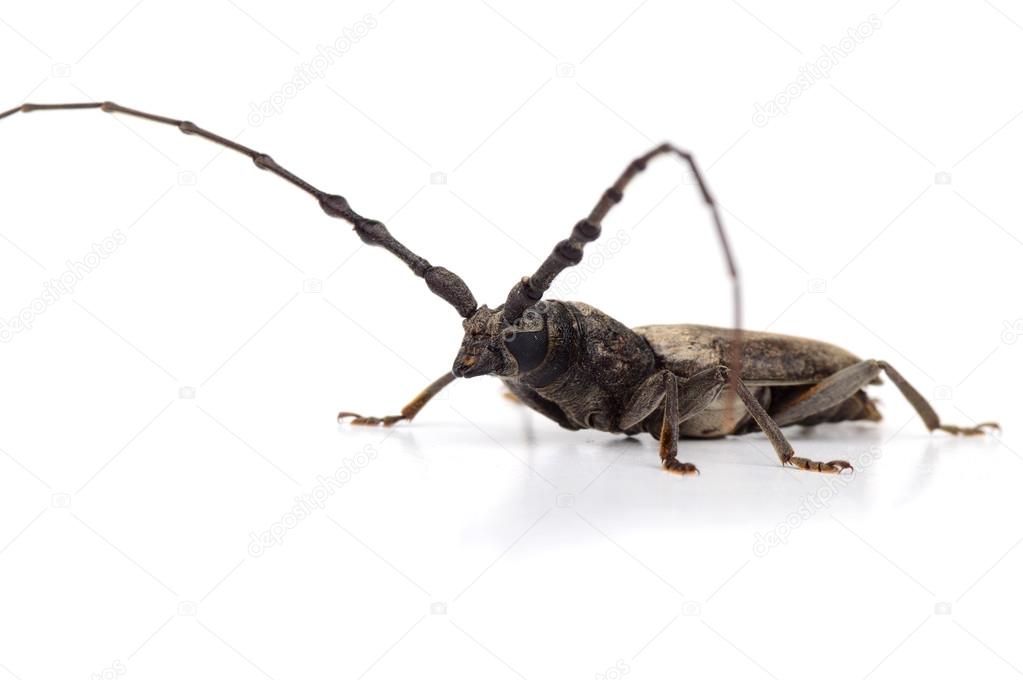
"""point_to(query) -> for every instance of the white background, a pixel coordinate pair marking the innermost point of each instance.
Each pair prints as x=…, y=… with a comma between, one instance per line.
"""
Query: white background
x=482, y=540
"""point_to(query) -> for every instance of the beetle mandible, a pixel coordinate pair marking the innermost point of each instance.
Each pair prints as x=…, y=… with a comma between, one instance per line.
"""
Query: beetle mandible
x=584, y=370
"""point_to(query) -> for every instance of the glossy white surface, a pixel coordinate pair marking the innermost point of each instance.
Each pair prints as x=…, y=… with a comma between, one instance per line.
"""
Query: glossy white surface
x=181, y=400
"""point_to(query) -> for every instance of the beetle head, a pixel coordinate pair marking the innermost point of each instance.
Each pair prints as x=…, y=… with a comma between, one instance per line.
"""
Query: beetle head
x=492, y=346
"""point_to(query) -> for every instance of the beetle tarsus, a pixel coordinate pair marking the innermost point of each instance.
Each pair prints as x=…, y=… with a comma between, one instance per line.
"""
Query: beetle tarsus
x=673, y=466
x=833, y=467
x=407, y=413
x=386, y=421
x=977, y=430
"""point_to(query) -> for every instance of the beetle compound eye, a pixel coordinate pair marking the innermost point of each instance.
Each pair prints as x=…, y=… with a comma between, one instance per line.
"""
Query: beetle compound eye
x=529, y=348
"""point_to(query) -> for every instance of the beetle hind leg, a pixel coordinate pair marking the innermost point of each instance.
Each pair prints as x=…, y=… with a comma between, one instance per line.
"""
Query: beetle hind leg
x=845, y=384
x=926, y=413
x=978, y=429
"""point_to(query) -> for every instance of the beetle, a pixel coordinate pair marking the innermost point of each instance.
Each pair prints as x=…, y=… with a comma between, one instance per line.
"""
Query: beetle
x=584, y=370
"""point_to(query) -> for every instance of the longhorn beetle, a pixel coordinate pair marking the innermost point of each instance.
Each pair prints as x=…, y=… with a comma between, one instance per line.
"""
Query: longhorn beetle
x=584, y=370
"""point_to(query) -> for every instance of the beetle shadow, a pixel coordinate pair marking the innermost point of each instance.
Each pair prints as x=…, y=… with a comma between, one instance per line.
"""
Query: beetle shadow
x=403, y=437
x=881, y=455
x=407, y=442
x=528, y=427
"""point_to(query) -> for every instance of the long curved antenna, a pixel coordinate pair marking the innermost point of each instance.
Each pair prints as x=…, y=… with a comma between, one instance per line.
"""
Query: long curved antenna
x=569, y=252
x=441, y=282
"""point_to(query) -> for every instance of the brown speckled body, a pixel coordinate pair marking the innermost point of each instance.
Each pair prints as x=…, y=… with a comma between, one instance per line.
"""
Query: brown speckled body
x=775, y=367
x=767, y=358
x=595, y=365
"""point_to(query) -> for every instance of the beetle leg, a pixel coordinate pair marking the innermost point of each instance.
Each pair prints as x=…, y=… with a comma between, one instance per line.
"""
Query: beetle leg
x=407, y=413
x=827, y=394
x=644, y=401
x=778, y=441
x=924, y=410
x=694, y=395
x=669, y=429
x=681, y=399
x=842, y=385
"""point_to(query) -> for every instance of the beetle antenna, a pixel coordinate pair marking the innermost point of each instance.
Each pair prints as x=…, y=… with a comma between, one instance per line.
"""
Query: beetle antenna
x=569, y=252
x=443, y=283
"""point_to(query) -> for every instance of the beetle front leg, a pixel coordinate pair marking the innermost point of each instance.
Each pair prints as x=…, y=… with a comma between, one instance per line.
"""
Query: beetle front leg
x=681, y=399
x=407, y=413
x=669, y=430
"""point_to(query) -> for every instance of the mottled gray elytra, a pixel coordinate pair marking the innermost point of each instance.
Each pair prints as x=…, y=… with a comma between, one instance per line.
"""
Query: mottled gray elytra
x=584, y=370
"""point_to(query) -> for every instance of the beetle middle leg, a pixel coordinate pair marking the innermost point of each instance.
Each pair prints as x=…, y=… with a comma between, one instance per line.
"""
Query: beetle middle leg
x=842, y=385
x=407, y=413
x=778, y=441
